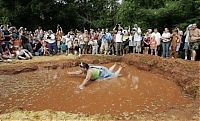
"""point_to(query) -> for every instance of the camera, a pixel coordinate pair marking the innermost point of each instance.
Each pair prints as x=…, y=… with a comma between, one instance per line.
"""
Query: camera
x=48, y=37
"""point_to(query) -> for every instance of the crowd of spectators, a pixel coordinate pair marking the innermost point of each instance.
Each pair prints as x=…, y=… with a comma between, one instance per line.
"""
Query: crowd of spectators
x=23, y=44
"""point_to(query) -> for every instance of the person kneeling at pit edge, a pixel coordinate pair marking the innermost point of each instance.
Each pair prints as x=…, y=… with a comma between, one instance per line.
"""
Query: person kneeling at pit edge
x=23, y=54
x=94, y=73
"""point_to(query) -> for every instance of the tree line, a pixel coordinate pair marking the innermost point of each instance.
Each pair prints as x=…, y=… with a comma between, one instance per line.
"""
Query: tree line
x=79, y=14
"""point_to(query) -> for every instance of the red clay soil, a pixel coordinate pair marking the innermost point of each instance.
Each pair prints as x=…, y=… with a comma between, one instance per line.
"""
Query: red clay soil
x=45, y=85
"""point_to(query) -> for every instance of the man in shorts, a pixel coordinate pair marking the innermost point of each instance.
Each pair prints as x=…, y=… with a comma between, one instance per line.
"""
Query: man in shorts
x=194, y=40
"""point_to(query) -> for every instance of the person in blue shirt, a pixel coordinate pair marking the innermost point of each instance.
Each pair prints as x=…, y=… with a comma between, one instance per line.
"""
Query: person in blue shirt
x=106, y=38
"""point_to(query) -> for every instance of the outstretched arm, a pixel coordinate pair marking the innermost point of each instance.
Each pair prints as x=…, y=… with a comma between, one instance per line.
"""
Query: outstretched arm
x=75, y=72
x=86, y=80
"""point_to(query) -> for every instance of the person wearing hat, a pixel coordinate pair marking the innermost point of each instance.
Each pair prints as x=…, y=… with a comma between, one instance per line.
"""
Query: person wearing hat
x=93, y=73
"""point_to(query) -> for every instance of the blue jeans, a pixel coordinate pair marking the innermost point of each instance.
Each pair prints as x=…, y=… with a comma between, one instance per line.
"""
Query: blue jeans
x=52, y=48
x=165, y=47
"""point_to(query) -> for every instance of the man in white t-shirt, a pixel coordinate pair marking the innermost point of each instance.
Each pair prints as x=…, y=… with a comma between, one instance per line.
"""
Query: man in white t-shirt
x=157, y=36
x=118, y=41
x=137, y=39
x=51, y=42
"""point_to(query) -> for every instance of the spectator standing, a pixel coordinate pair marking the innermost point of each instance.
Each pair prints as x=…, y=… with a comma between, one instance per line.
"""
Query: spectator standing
x=59, y=35
x=81, y=43
x=105, y=39
x=94, y=44
x=7, y=36
x=86, y=41
x=174, y=43
x=186, y=44
x=179, y=43
x=118, y=42
x=165, y=43
x=157, y=36
x=146, y=40
x=125, y=42
x=194, y=40
x=26, y=43
x=131, y=40
x=39, y=33
x=1, y=41
x=51, y=42
x=137, y=38
x=153, y=45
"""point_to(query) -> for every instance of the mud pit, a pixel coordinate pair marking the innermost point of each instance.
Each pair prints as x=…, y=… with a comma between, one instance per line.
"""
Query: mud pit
x=47, y=86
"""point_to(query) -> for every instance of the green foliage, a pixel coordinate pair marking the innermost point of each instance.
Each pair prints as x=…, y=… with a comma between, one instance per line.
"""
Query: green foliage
x=159, y=13
x=4, y=20
x=81, y=14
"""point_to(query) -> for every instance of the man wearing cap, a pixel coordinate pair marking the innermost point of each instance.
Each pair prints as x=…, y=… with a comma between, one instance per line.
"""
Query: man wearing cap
x=194, y=40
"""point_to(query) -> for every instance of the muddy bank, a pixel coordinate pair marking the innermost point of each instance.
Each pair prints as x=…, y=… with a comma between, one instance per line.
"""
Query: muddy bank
x=173, y=115
x=39, y=85
x=185, y=74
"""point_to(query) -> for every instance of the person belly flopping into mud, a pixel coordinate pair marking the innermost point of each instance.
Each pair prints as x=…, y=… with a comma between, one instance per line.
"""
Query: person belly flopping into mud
x=94, y=73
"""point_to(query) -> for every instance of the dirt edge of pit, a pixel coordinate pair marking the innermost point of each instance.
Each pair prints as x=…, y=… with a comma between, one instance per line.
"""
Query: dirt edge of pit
x=171, y=115
x=186, y=74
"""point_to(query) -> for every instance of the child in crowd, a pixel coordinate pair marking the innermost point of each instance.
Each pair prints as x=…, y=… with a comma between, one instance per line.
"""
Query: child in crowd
x=146, y=40
x=153, y=45
x=75, y=46
x=175, y=40
x=45, y=50
x=64, y=46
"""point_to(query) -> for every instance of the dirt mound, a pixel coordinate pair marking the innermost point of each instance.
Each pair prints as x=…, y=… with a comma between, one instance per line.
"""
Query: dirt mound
x=185, y=74
x=50, y=115
x=39, y=85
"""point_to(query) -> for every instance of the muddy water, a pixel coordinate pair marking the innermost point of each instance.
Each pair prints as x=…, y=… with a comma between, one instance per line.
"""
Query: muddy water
x=135, y=91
